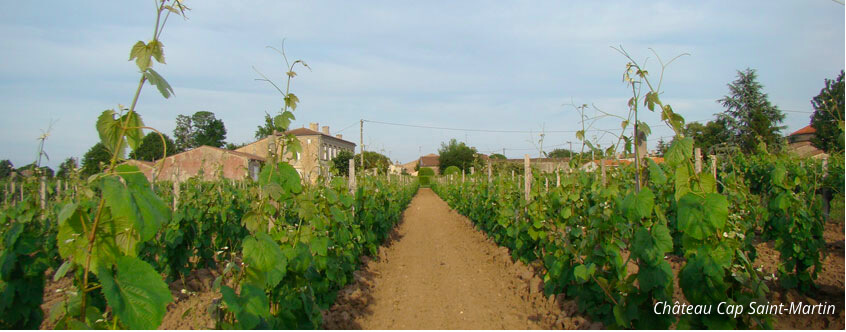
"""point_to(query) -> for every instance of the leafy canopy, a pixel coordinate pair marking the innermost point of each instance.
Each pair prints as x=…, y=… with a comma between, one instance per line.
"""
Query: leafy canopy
x=456, y=154
x=95, y=159
x=750, y=117
x=151, y=148
x=828, y=116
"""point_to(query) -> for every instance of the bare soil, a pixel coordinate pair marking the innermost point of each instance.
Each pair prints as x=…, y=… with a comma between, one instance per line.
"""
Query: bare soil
x=440, y=273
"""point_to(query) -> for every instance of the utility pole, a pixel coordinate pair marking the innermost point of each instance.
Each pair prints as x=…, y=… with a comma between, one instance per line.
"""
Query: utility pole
x=503, y=151
x=361, y=141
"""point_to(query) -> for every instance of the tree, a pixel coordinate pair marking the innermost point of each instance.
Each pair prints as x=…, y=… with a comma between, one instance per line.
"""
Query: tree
x=456, y=154
x=341, y=162
x=208, y=130
x=233, y=146
x=372, y=160
x=498, y=156
x=202, y=128
x=828, y=116
x=267, y=129
x=749, y=115
x=184, y=133
x=67, y=168
x=151, y=148
x=709, y=135
x=662, y=147
x=6, y=168
x=95, y=160
x=560, y=153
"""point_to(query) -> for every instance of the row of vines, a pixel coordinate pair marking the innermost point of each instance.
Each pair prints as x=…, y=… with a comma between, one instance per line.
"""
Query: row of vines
x=293, y=268
x=611, y=246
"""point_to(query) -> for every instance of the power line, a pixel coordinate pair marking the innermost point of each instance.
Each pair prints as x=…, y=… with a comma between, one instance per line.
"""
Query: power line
x=347, y=127
x=490, y=130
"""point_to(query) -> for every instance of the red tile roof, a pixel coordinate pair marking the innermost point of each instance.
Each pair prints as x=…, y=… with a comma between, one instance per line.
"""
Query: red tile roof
x=430, y=160
x=806, y=130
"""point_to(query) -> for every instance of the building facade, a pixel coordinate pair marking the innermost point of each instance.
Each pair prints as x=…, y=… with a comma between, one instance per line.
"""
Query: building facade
x=210, y=162
x=318, y=149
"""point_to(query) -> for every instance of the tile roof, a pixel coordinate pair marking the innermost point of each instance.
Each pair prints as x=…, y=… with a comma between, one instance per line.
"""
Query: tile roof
x=806, y=130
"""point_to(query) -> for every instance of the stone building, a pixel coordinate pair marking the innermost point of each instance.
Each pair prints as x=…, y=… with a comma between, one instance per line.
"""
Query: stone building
x=432, y=161
x=318, y=149
x=213, y=163
x=799, y=142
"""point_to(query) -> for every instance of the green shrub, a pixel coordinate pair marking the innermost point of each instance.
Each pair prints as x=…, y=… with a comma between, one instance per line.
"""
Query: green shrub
x=452, y=170
x=424, y=175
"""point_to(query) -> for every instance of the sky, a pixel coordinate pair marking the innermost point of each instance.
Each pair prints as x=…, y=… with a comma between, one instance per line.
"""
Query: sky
x=505, y=65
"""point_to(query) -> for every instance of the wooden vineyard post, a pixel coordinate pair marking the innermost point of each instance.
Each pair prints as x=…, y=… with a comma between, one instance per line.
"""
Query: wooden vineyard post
x=558, y=179
x=826, y=193
x=352, y=176
x=58, y=189
x=714, y=166
x=546, y=183
x=527, y=170
x=43, y=193
x=6, y=194
x=462, y=176
x=175, y=192
x=512, y=175
x=489, y=172
x=472, y=170
x=697, y=153
x=602, y=170
x=12, y=192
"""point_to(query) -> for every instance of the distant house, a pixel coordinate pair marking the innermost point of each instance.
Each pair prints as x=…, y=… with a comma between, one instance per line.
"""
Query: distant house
x=799, y=142
x=211, y=162
x=432, y=161
x=318, y=149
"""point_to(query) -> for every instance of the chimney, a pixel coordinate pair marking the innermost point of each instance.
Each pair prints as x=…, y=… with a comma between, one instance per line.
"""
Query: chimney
x=326, y=130
x=339, y=136
x=313, y=126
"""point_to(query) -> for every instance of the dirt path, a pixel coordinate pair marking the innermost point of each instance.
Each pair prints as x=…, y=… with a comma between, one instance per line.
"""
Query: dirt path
x=441, y=273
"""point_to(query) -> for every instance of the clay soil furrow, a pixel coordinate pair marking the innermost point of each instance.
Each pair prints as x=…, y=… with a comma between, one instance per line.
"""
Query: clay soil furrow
x=441, y=273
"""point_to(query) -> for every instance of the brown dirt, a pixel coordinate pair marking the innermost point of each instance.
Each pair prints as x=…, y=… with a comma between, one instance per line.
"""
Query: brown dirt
x=830, y=283
x=441, y=273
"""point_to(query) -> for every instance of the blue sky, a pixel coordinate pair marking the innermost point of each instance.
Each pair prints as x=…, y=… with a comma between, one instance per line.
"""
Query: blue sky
x=505, y=65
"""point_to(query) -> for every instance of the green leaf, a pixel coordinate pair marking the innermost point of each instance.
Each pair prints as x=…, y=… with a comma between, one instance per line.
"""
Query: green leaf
x=680, y=150
x=716, y=206
x=656, y=174
x=581, y=273
x=682, y=181
x=266, y=264
x=109, y=130
x=137, y=293
x=580, y=135
x=291, y=101
x=282, y=121
x=249, y=308
x=156, y=49
x=139, y=53
x=319, y=245
x=137, y=212
x=73, y=242
x=134, y=133
x=60, y=273
x=644, y=200
x=651, y=277
x=161, y=84
x=650, y=246
x=644, y=128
